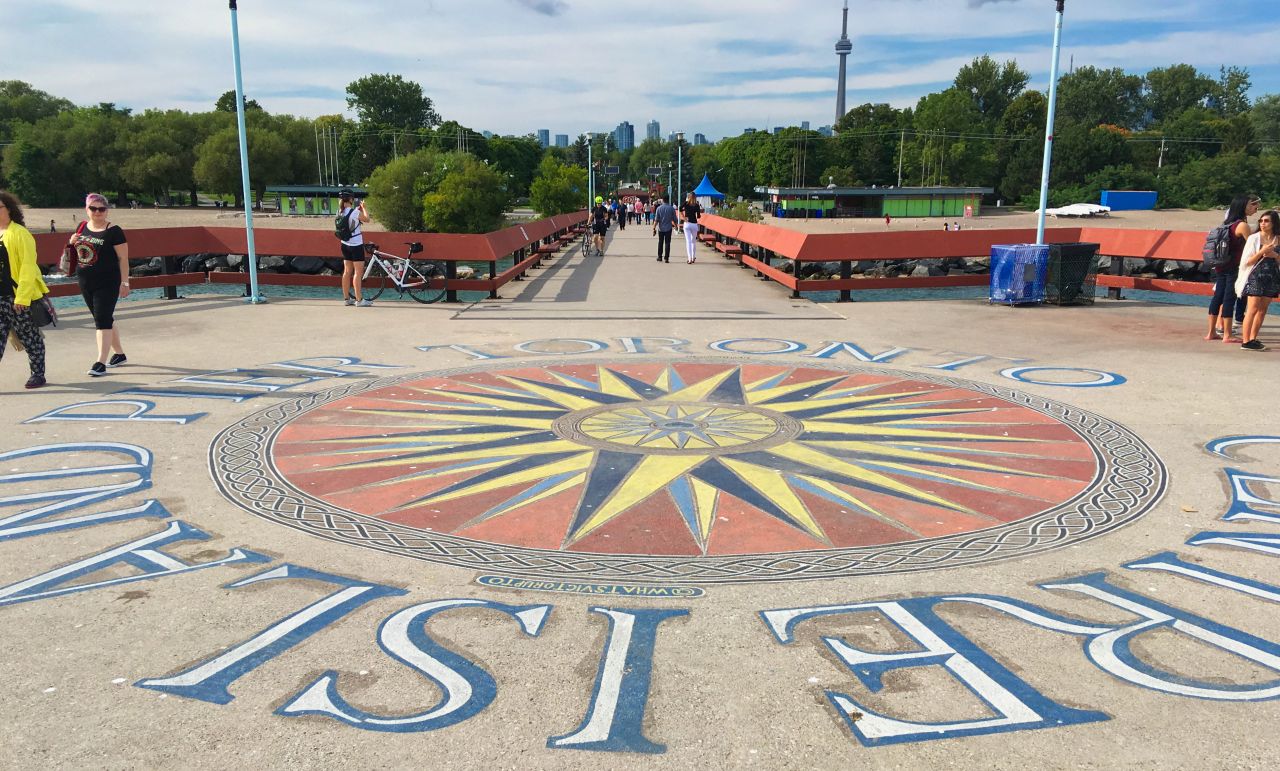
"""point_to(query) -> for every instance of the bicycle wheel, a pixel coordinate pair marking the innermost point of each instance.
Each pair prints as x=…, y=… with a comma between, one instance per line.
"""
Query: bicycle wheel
x=425, y=284
x=377, y=281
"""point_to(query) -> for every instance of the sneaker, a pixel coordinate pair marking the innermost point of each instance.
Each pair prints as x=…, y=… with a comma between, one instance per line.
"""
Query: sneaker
x=117, y=359
x=364, y=303
x=348, y=301
x=36, y=381
x=97, y=370
x=1253, y=345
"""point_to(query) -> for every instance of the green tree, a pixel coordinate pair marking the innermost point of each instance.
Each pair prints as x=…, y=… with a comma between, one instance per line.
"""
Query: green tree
x=518, y=158
x=33, y=175
x=1020, y=153
x=21, y=103
x=470, y=199
x=390, y=100
x=992, y=86
x=217, y=166
x=558, y=188
x=1231, y=94
x=1091, y=97
x=1079, y=151
x=949, y=152
x=1171, y=90
x=396, y=189
x=1265, y=117
x=867, y=142
x=227, y=103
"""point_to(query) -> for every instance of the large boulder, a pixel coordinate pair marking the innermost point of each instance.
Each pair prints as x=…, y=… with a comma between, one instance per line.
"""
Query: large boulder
x=192, y=263
x=272, y=262
x=235, y=261
x=216, y=262
x=308, y=266
x=466, y=272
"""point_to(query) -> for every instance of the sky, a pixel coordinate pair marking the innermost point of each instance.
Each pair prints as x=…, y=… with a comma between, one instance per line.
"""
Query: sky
x=571, y=66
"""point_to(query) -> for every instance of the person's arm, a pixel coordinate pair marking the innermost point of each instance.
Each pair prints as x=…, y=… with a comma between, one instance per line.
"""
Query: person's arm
x=22, y=260
x=1242, y=229
x=122, y=251
x=1253, y=251
x=364, y=215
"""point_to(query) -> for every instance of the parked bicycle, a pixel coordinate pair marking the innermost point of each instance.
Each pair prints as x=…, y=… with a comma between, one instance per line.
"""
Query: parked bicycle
x=423, y=280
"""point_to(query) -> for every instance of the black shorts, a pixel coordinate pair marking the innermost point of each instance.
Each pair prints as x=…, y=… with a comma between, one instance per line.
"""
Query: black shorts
x=353, y=253
x=599, y=228
x=101, y=298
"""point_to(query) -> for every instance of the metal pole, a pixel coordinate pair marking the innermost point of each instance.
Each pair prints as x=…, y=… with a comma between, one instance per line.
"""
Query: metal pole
x=680, y=166
x=1048, y=126
x=254, y=297
x=902, y=145
x=591, y=177
x=320, y=169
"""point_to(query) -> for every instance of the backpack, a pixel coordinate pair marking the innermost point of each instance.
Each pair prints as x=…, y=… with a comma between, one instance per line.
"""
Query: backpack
x=342, y=226
x=1217, y=247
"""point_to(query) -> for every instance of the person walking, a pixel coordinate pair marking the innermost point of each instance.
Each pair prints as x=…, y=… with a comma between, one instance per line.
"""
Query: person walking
x=102, y=270
x=620, y=211
x=599, y=224
x=664, y=222
x=352, y=214
x=20, y=285
x=690, y=212
x=1223, y=307
x=1259, y=280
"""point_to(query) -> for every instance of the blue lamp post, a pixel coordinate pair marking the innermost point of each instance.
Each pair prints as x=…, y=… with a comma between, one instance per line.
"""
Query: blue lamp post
x=254, y=297
x=1048, y=126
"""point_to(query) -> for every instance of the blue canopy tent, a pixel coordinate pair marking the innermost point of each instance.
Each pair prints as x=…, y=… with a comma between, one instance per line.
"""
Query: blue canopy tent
x=707, y=194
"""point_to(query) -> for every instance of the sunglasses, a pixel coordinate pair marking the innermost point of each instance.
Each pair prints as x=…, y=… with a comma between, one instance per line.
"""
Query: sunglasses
x=97, y=208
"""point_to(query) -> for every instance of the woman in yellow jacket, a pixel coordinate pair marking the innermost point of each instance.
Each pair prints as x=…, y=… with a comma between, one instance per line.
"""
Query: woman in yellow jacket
x=20, y=285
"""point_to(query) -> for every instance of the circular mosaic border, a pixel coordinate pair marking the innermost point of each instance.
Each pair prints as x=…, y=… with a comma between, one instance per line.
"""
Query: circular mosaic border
x=1131, y=479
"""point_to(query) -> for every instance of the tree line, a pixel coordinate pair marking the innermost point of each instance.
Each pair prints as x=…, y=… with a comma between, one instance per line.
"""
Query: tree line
x=1195, y=138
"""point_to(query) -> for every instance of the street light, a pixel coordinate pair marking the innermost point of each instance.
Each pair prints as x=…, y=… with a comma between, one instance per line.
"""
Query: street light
x=1048, y=125
x=680, y=166
x=254, y=297
x=591, y=176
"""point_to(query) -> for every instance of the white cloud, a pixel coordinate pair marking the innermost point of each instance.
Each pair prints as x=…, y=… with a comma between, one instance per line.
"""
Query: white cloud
x=514, y=66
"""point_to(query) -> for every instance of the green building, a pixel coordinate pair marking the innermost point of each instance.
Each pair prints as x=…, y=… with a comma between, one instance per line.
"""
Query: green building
x=874, y=201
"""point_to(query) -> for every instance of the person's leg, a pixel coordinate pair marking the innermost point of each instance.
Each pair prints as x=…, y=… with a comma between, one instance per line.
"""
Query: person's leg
x=6, y=321
x=32, y=339
x=1247, y=324
x=690, y=240
x=347, y=269
x=357, y=278
x=1215, y=308
x=115, y=340
x=664, y=245
x=1233, y=308
x=104, y=312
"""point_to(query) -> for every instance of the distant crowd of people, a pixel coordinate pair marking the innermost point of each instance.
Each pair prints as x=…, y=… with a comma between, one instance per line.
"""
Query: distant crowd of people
x=663, y=216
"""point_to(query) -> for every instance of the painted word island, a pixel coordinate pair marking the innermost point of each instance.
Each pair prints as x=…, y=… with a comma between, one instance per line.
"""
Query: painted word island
x=631, y=472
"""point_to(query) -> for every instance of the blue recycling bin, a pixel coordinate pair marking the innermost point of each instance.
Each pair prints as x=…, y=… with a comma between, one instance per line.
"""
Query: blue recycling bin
x=1019, y=273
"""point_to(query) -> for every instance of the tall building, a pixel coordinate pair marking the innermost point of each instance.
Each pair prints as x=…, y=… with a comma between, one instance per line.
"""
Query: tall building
x=826, y=131
x=748, y=131
x=777, y=130
x=700, y=139
x=624, y=136
x=544, y=137
x=804, y=125
x=562, y=140
x=843, y=48
x=654, y=130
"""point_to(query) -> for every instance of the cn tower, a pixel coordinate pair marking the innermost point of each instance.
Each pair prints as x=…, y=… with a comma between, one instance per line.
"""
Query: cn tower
x=843, y=47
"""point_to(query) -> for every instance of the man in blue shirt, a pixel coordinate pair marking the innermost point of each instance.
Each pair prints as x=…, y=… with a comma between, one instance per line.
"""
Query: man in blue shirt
x=664, y=220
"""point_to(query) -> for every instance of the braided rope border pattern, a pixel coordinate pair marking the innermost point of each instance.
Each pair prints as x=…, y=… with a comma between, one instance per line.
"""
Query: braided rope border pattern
x=1130, y=481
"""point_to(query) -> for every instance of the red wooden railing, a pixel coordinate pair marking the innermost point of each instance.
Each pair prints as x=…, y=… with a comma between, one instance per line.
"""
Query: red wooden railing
x=527, y=244
x=759, y=245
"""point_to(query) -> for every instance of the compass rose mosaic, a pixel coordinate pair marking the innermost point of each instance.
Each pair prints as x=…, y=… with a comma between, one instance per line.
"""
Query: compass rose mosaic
x=689, y=471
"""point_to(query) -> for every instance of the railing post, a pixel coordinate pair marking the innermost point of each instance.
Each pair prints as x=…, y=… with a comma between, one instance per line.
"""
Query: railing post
x=493, y=279
x=1117, y=269
x=450, y=276
x=166, y=269
x=795, y=271
x=846, y=273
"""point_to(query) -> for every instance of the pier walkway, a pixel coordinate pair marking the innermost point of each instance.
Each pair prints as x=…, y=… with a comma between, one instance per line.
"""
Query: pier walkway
x=643, y=515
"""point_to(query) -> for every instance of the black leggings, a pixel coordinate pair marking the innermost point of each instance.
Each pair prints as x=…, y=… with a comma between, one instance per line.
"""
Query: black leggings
x=30, y=335
x=1224, y=302
x=101, y=300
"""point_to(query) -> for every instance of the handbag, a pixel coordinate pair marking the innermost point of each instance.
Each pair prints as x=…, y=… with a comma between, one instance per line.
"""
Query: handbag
x=43, y=313
x=69, y=260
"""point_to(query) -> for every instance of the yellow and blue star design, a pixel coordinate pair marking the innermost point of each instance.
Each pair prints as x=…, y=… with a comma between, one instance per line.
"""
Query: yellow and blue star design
x=684, y=458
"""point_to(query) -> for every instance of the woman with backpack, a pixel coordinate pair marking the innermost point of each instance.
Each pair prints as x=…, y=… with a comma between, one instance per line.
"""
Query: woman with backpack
x=20, y=285
x=1259, y=279
x=351, y=215
x=1223, y=306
